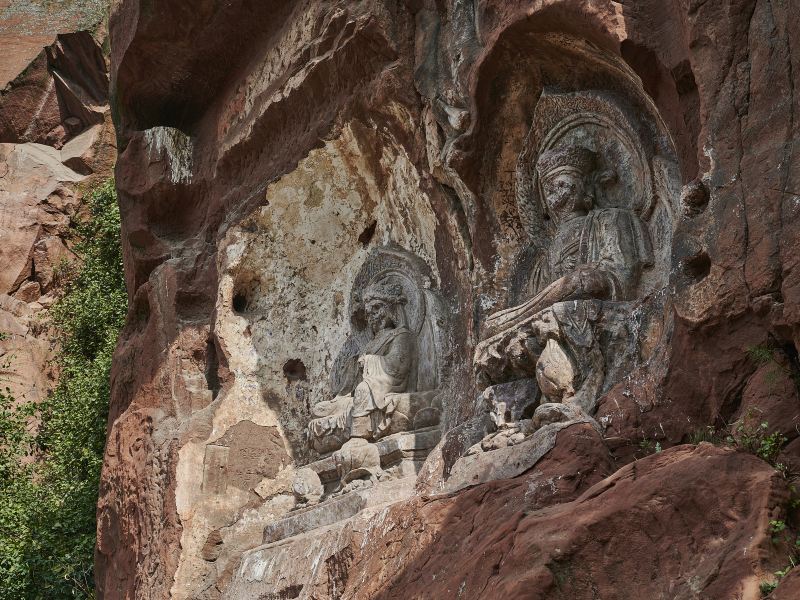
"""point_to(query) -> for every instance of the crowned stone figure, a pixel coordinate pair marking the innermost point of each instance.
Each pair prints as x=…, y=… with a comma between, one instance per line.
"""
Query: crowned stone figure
x=595, y=254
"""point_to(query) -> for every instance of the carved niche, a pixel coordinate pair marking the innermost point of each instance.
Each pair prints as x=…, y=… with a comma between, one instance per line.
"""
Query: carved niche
x=386, y=378
x=597, y=196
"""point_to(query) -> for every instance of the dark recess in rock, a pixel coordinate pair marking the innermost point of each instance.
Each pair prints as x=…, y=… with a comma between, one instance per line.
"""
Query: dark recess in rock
x=697, y=266
x=212, y=368
x=294, y=370
x=240, y=303
x=366, y=236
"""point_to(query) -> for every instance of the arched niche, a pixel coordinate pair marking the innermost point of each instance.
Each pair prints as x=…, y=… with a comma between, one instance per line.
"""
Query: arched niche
x=549, y=81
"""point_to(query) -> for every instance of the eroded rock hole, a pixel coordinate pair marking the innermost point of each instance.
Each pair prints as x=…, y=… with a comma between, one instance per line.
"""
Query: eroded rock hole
x=697, y=266
x=792, y=356
x=366, y=236
x=294, y=370
x=240, y=302
x=212, y=368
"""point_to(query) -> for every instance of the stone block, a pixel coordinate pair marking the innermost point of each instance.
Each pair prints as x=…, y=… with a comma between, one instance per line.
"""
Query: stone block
x=512, y=401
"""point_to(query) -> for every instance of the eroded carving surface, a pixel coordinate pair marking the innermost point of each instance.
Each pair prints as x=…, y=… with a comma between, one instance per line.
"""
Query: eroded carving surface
x=327, y=130
x=386, y=376
x=585, y=195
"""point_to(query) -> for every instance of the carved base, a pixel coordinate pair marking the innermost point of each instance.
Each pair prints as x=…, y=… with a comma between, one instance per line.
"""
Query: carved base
x=407, y=411
x=337, y=509
x=401, y=455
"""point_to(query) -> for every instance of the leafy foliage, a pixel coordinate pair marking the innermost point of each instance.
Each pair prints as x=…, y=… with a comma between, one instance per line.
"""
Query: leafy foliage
x=750, y=435
x=767, y=587
x=51, y=454
x=781, y=534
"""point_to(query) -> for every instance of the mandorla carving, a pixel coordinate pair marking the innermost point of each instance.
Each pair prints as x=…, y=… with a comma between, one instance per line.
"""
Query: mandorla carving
x=585, y=198
x=386, y=377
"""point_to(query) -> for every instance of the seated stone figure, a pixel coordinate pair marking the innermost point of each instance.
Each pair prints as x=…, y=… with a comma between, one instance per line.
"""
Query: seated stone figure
x=383, y=373
x=596, y=254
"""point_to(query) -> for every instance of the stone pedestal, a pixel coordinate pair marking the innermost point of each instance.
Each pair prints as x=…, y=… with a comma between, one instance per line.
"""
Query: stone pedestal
x=402, y=454
x=337, y=509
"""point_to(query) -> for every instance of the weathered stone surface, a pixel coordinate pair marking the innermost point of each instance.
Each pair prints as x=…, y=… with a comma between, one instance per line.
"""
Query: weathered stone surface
x=269, y=151
x=511, y=461
x=322, y=558
x=583, y=549
x=500, y=536
x=40, y=201
x=61, y=93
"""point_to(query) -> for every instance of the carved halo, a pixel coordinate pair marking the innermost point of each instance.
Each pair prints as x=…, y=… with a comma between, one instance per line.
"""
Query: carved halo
x=394, y=265
x=415, y=308
x=595, y=121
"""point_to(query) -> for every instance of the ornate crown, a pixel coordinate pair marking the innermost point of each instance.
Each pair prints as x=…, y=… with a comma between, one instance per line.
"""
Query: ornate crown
x=385, y=291
x=577, y=158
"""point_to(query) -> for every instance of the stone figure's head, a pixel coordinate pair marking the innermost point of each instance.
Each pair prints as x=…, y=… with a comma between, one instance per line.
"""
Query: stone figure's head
x=383, y=304
x=566, y=178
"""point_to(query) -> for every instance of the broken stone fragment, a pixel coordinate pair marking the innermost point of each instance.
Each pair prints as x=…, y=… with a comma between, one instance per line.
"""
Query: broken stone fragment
x=307, y=487
x=509, y=402
x=29, y=291
x=357, y=459
x=555, y=412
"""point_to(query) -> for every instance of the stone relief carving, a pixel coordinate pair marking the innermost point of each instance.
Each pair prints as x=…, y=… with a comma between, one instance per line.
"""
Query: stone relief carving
x=381, y=373
x=599, y=223
x=242, y=458
x=385, y=379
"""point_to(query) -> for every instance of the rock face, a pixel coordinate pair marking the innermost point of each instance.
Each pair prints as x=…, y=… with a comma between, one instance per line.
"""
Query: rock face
x=56, y=139
x=415, y=289
x=616, y=540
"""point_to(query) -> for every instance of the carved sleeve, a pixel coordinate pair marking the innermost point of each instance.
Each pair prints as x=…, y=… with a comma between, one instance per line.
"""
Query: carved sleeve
x=620, y=247
x=397, y=361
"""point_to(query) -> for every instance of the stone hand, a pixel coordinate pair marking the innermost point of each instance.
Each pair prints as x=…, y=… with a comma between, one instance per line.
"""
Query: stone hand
x=586, y=281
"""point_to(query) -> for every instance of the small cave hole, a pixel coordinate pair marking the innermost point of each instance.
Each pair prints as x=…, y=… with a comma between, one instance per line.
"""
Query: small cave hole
x=366, y=236
x=790, y=350
x=212, y=368
x=697, y=266
x=294, y=370
x=240, y=302
x=684, y=79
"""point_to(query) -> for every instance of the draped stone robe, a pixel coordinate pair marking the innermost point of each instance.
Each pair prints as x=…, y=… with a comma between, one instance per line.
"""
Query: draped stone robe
x=616, y=245
x=387, y=367
x=613, y=240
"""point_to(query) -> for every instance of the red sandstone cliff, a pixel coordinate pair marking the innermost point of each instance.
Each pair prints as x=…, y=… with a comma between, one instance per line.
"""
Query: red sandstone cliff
x=267, y=148
x=56, y=140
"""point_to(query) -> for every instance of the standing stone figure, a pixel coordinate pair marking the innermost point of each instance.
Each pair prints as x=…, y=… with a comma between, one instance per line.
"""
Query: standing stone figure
x=595, y=254
x=380, y=372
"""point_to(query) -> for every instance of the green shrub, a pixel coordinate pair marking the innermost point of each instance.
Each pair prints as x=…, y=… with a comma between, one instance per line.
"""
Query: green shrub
x=750, y=434
x=767, y=587
x=50, y=475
